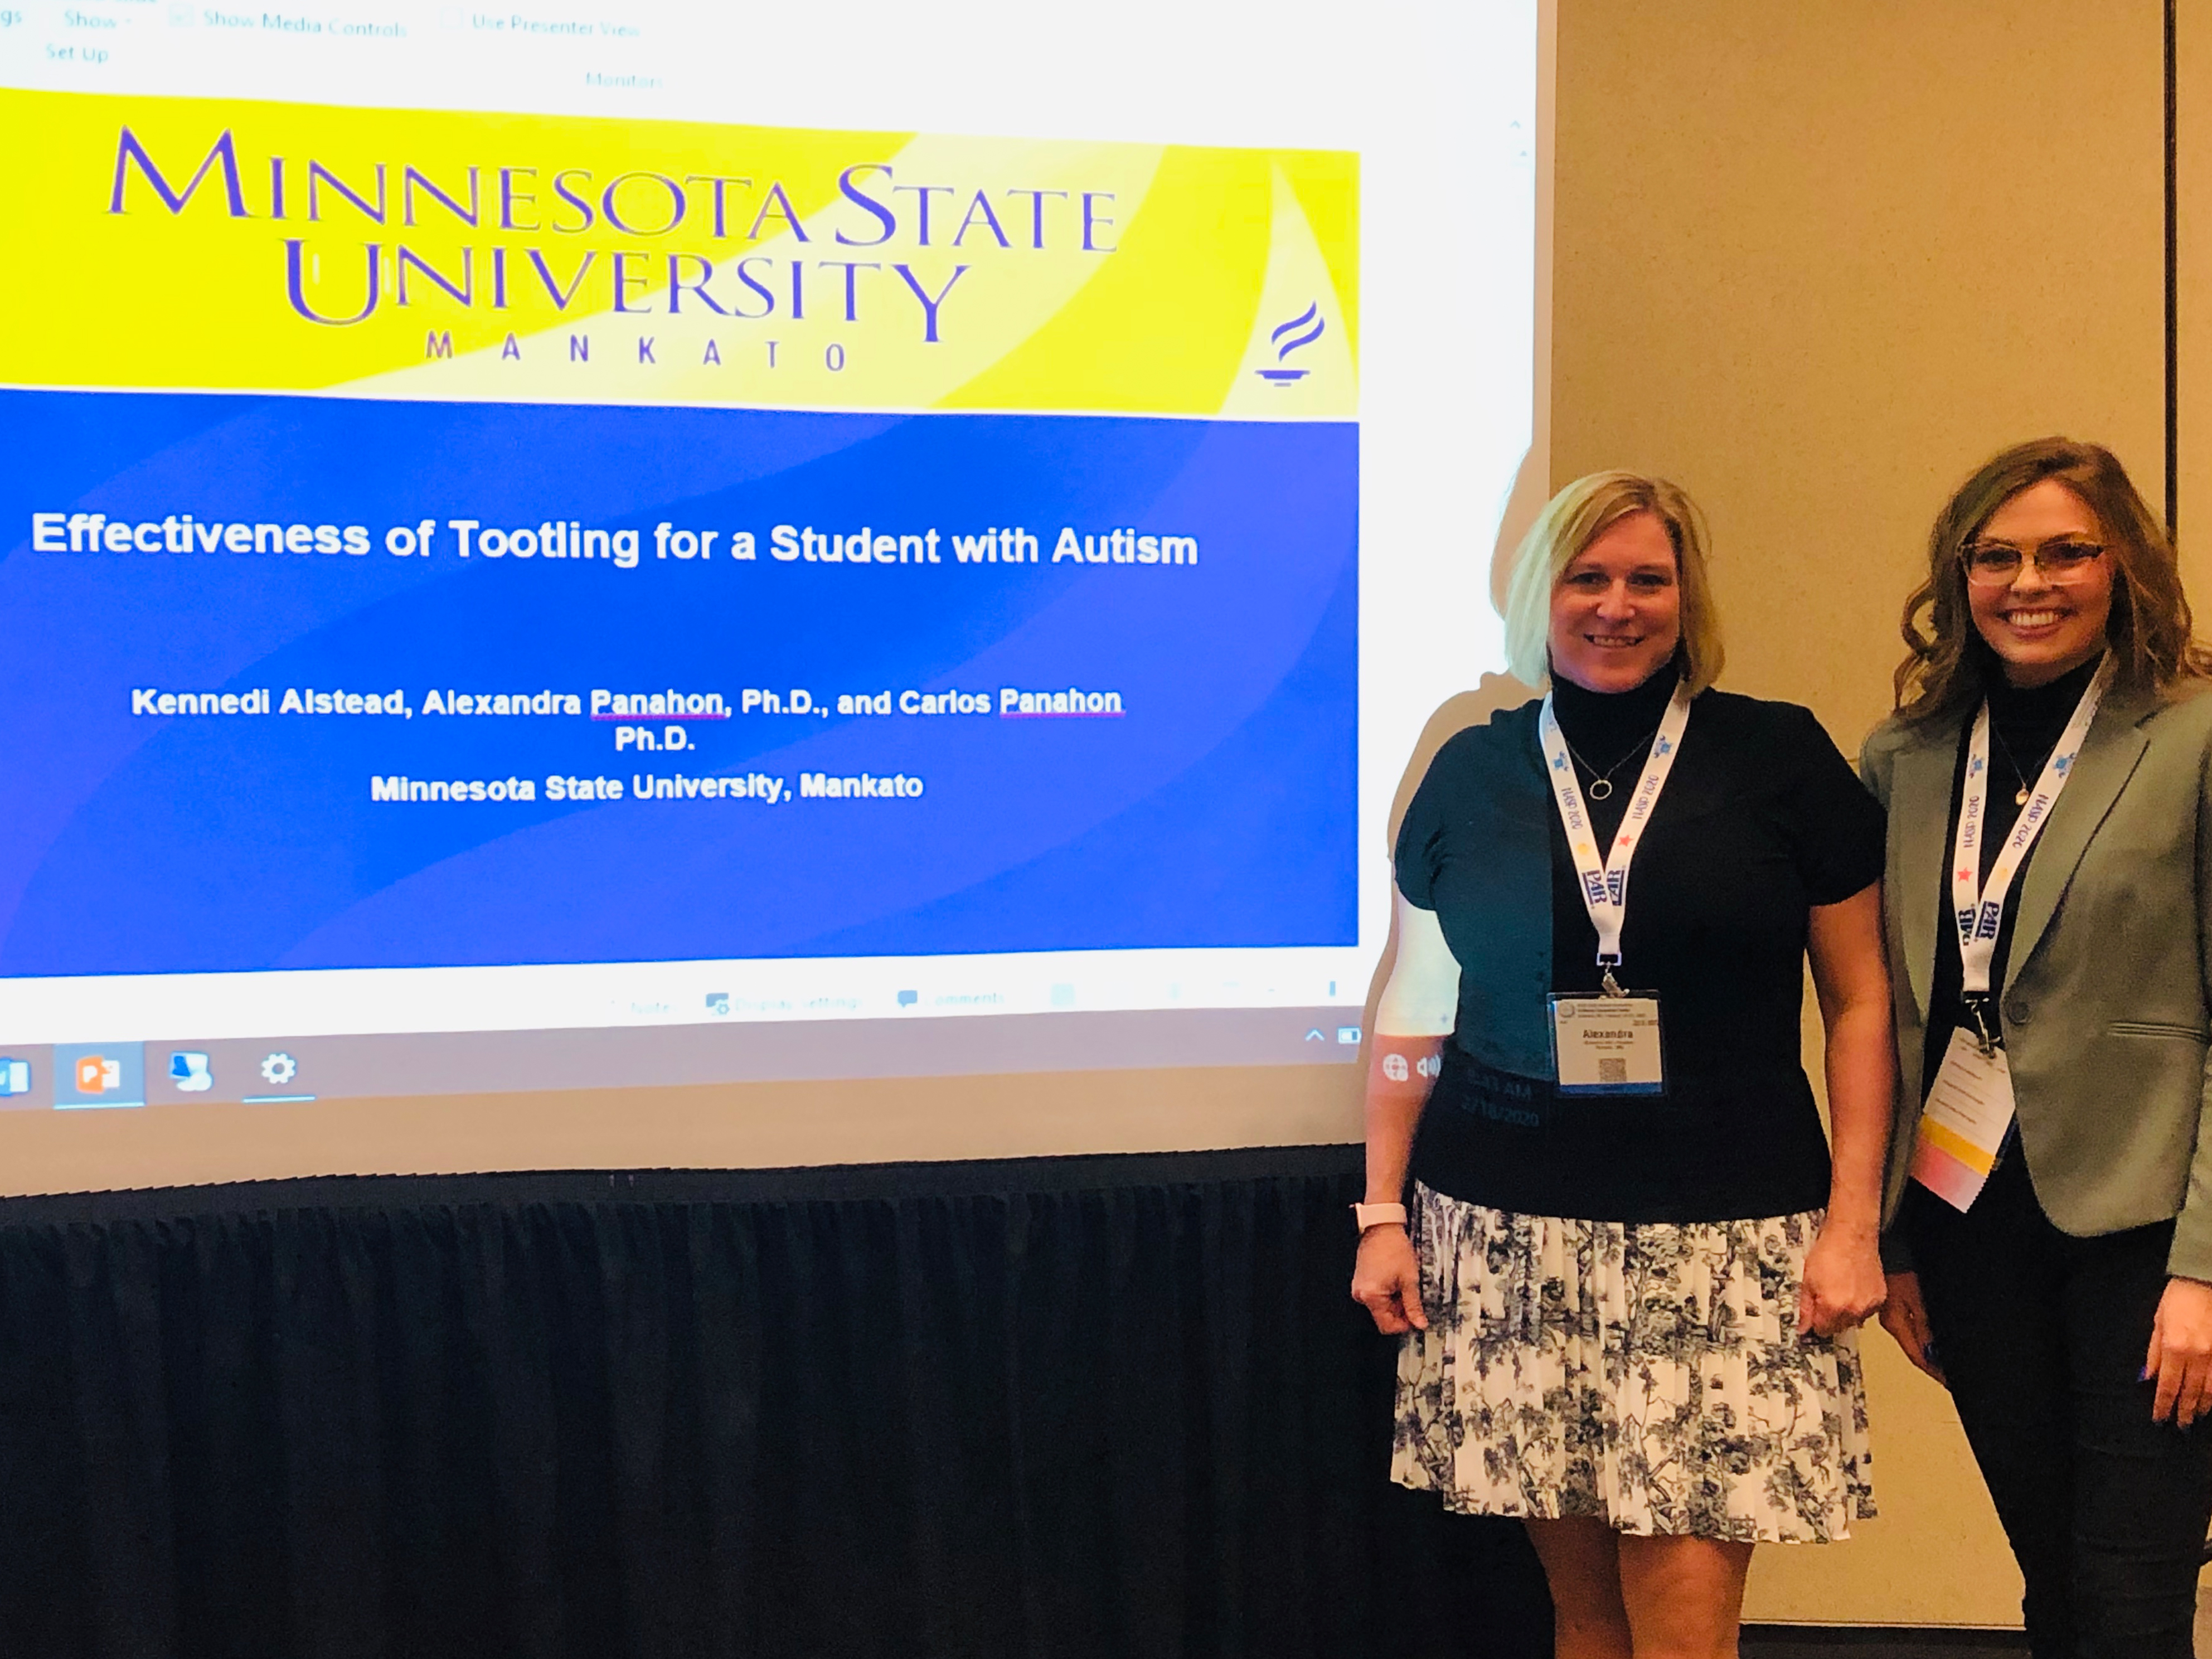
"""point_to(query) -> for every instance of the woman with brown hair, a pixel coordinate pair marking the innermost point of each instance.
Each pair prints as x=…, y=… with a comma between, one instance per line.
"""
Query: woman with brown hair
x=2048, y=915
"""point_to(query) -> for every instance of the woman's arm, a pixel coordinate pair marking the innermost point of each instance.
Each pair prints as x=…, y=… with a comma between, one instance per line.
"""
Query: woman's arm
x=1844, y=1280
x=1904, y=1314
x=1419, y=1003
x=2180, y=1352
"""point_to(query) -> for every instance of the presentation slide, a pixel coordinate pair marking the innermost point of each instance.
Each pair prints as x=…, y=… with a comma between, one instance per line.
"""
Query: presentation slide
x=547, y=551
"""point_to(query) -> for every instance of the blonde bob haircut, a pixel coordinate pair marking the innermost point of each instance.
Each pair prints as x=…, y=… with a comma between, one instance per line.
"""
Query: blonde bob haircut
x=1570, y=522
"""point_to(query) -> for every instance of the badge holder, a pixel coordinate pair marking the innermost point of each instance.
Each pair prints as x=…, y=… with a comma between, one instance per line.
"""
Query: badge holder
x=1608, y=1044
x=1968, y=1114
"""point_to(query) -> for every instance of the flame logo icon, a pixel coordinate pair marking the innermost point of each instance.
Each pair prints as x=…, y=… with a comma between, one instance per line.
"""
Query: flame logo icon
x=1301, y=329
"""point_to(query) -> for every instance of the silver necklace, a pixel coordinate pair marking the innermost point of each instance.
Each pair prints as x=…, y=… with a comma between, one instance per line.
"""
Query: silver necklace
x=1600, y=783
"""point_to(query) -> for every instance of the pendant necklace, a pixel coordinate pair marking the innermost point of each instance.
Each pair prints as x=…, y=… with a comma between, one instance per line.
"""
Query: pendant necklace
x=1600, y=783
x=2019, y=776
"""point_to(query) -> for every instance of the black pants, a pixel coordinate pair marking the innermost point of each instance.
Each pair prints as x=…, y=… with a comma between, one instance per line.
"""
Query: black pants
x=2042, y=1336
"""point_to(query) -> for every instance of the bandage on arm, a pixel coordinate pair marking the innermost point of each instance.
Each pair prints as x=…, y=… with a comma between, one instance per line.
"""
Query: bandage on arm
x=1413, y=1022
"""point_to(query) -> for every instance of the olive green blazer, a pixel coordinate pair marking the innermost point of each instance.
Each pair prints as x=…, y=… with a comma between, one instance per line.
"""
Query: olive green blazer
x=2107, y=996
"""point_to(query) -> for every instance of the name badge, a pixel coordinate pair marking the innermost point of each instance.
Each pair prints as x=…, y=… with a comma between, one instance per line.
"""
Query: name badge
x=1608, y=1045
x=1964, y=1123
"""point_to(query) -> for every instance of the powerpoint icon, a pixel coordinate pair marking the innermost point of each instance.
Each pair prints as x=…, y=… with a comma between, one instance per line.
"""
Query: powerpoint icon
x=97, y=1075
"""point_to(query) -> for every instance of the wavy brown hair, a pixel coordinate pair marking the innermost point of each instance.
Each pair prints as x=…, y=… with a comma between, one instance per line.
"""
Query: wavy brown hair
x=1947, y=661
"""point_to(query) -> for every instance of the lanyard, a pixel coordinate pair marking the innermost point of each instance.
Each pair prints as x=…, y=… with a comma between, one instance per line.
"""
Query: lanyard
x=1605, y=883
x=1979, y=909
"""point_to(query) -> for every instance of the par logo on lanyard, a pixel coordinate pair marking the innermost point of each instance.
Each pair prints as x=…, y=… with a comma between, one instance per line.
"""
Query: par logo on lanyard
x=1605, y=882
x=1970, y=1103
x=1980, y=908
x=1608, y=1044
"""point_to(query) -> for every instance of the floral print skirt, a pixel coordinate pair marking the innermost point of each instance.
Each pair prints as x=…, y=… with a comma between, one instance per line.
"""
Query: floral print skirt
x=1651, y=1375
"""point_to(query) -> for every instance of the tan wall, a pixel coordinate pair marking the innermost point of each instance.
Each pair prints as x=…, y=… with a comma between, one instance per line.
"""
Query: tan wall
x=1815, y=263
x=2193, y=318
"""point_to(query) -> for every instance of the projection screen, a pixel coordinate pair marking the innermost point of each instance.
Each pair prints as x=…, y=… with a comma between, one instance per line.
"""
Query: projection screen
x=677, y=554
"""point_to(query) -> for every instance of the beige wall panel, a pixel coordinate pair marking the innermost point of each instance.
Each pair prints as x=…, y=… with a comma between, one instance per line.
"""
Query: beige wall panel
x=2193, y=314
x=1816, y=262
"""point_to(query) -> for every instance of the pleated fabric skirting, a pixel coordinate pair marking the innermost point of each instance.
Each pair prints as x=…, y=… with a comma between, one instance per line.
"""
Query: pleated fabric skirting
x=1651, y=1375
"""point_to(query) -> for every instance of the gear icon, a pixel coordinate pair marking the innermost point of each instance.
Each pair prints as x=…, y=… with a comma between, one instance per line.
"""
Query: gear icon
x=279, y=1068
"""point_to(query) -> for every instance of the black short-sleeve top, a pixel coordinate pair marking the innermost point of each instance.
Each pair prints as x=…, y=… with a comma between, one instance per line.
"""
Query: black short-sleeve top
x=1761, y=820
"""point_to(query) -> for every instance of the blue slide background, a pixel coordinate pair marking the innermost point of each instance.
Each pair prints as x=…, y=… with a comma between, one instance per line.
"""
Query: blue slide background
x=1220, y=811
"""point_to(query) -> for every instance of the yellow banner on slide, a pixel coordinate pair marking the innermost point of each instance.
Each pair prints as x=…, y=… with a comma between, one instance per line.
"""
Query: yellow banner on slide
x=174, y=243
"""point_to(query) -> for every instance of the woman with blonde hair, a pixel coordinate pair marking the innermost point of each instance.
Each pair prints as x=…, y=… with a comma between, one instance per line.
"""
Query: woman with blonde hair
x=1601, y=1211
x=2049, y=924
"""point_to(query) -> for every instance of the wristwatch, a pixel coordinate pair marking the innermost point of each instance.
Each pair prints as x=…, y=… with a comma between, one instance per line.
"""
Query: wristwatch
x=1364, y=1215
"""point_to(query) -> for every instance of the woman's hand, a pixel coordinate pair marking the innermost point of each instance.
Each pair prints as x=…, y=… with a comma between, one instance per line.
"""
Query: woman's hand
x=1386, y=1280
x=1843, y=1283
x=2180, y=1355
x=1905, y=1316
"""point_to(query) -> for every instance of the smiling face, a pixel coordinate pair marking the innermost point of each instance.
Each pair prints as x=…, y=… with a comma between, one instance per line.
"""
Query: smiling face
x=1617, y=608
x=2041, y=628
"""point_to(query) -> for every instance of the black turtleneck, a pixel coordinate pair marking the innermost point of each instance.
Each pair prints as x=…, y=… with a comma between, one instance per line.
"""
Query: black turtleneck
x=2025, y=723
x=1761, y=820
x=1609, y=733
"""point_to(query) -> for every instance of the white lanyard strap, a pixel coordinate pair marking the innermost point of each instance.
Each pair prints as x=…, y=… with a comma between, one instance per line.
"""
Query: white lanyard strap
x=1979, y=909
x=1604, y=883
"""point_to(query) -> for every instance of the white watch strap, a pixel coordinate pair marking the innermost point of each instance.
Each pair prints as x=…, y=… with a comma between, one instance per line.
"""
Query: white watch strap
x=1377, y=1215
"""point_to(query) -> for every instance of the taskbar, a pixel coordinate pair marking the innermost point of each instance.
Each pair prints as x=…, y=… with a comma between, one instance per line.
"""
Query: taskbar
x=299, y=1071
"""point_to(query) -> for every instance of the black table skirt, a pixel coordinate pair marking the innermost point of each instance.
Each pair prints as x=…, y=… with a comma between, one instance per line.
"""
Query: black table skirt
x=1119, y=1406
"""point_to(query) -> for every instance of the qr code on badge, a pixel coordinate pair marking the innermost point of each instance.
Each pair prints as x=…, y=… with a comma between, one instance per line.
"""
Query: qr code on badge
x=1612, y=1069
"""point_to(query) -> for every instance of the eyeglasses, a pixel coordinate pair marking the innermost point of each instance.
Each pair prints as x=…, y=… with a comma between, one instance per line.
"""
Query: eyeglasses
x=1996, y=564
